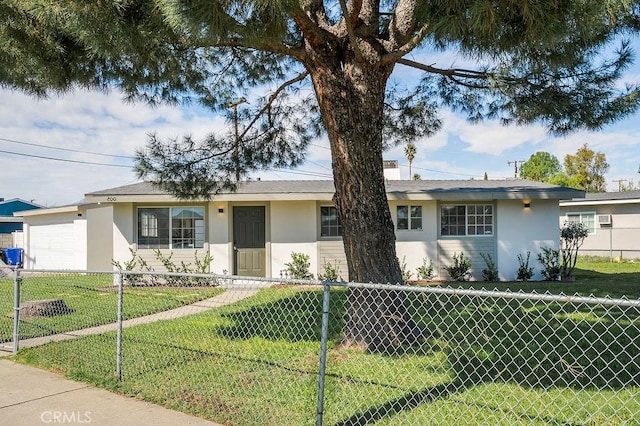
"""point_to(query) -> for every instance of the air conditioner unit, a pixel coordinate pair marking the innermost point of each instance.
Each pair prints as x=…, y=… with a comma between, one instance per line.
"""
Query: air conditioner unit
x=604, y=219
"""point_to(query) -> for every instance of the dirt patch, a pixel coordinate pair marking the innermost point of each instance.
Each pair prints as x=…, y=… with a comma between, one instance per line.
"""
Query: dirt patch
x=44, y=308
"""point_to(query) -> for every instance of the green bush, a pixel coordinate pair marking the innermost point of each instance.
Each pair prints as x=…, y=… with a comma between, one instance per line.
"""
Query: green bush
x=550, y=260
x=459, y=271
x=425, y=271
x=138, y=264
x=525, y=272
x=490, y=273
x=331, y=272
x=572, y=236
x=406, y=273
x=299, y=267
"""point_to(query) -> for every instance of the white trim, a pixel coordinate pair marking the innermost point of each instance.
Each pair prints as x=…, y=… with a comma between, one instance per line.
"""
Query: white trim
x=599, y=202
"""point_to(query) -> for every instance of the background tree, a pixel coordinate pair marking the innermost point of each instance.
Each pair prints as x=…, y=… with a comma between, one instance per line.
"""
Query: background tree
x=587, y=168
x=410, y=153
x=540, y=167
x=557, y=63
x=629, y=186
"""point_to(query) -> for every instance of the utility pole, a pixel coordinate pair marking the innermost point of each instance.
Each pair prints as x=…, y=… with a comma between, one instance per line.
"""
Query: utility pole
x=620, y=183
x=236, y=154
x=515, y=166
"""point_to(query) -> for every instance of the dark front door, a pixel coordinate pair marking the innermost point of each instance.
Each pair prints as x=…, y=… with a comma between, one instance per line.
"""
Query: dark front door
x=249, y=241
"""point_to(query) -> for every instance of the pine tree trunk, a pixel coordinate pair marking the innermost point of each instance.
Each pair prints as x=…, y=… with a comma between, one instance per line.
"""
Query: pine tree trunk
x=351, y=100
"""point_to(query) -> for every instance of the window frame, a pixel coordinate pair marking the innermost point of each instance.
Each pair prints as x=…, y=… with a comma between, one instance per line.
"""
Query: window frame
x=198, y=232
x=593, y=214
x=467, y=214
x=337, y=226
x=410, y=217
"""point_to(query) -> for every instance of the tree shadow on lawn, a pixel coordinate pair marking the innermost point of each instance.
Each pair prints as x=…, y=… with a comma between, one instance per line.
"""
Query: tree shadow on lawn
x=537, y=345
x=540, y=344
x=295, y=317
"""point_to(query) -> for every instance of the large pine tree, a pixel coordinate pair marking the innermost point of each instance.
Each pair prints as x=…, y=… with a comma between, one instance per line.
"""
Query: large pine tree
x=555, y=62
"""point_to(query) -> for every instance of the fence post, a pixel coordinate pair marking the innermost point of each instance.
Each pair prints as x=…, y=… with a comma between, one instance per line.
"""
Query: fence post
x=120, y=281
x=17, y=279
x=323, y=352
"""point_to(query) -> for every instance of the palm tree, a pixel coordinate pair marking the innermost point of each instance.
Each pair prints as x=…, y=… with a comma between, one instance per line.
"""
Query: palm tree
x=410, y=152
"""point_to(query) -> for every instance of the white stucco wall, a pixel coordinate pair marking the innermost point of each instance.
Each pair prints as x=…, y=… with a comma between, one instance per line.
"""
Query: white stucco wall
x=293, y=227
x=123, y=234
x=522, y=229
x=100, y=237
x=219, y=233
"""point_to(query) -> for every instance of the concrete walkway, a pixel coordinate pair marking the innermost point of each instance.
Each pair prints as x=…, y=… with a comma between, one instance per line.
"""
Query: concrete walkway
x=31, y=396
x=229, y=296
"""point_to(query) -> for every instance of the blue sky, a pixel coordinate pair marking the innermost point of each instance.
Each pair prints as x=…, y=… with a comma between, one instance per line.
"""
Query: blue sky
x=83, y=124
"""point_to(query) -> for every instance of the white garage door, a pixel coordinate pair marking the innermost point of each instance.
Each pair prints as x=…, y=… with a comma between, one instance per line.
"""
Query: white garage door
x=52, y=246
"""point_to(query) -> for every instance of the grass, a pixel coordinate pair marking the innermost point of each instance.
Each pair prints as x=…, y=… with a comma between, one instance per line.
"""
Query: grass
x=484, y=362
x=92, y=300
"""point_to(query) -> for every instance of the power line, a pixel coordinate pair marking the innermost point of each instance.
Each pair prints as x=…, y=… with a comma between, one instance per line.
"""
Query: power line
x=67, y=149
x=63, y=159
x=447, y=173
x=298, y=172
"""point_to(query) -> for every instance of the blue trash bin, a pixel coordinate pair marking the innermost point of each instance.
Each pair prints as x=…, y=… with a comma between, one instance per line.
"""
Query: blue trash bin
x=14, y=256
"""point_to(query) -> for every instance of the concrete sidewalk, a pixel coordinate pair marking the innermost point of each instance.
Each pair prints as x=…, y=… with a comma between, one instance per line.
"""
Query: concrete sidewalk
x=31, y=396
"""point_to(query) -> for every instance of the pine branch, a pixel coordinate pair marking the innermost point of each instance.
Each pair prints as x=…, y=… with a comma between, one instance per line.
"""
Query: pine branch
x=272, y=98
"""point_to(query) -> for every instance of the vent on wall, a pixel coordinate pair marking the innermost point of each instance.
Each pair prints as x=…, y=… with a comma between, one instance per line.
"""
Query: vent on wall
x=604, y=219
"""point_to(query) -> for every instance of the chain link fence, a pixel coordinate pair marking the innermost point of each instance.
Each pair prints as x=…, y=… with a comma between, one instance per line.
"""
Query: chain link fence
x=246, y=351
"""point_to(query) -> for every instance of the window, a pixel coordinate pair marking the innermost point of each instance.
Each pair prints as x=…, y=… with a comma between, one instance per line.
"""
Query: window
x=587, y=218
x=329, y=222
x=409, y=217
x=148, y=224
x=170, y=228
x=472, y=219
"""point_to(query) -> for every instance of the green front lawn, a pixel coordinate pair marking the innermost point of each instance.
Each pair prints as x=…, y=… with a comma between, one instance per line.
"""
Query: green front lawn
x=92, y=300
x=484, y=361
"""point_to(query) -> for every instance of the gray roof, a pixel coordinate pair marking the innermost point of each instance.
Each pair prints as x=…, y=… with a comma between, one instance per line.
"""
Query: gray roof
x=435, y=188
x=608, y=196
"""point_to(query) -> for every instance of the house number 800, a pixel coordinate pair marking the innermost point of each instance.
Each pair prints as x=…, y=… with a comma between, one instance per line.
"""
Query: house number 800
x=111, y=198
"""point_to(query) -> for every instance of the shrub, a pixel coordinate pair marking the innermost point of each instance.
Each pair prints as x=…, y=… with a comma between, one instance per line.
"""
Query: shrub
x=331, y=272
x=550, y=260
x=406, y=273
x=137, y=263
x=299, y=267
x=490, y=273
x=525, y=272
x=425, y=271
x=459, y=271
x=572, y=236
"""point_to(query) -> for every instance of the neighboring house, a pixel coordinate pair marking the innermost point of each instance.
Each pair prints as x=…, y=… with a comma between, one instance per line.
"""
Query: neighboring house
x=254, y=230
x=11, y=225
x=613, y=220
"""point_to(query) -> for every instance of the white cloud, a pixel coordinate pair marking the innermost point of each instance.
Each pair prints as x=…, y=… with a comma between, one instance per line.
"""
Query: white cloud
x=84, y=121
